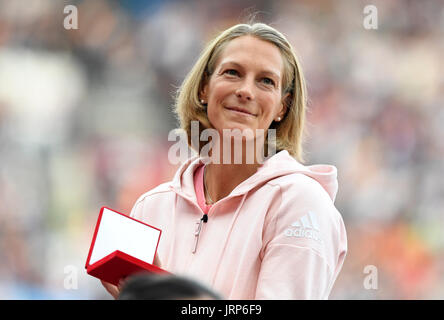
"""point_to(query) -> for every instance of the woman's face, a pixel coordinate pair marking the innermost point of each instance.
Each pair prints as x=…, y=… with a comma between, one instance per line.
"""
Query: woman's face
x=244, y=91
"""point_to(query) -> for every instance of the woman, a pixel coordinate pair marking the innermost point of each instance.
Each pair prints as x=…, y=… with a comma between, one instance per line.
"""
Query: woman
x=261, y=229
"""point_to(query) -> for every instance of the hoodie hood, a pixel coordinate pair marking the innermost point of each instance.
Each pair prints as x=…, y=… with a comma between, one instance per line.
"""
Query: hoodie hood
x=278, y=165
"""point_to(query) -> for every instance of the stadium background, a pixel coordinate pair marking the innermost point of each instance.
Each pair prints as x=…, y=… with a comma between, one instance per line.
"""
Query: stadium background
x=85, y=115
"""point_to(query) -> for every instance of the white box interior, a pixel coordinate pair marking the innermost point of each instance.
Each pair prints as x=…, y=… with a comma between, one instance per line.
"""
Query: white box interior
x=118, y=232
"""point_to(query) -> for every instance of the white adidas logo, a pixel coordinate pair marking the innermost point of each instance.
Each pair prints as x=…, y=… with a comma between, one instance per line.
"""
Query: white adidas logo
x=305, y=227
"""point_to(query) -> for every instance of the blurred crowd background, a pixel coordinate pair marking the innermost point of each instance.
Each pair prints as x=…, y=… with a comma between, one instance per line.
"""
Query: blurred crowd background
x=85, y=116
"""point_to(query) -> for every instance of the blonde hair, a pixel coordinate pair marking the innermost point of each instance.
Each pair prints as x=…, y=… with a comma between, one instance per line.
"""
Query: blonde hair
x=289, y=131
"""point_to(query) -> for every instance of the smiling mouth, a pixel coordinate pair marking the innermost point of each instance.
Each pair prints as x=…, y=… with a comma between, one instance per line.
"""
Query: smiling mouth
x=240, y=110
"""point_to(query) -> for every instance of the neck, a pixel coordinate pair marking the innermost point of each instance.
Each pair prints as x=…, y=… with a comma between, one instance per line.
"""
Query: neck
x=222, y=176
x=221, y=179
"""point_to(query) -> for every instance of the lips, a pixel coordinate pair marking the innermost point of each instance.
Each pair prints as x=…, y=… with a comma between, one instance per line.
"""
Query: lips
x=240, y=110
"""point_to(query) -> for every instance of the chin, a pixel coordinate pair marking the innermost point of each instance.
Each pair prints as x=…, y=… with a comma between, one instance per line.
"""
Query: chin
x=237, y=126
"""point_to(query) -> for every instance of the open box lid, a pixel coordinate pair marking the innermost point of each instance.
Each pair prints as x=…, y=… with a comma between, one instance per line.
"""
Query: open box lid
x=115, y=231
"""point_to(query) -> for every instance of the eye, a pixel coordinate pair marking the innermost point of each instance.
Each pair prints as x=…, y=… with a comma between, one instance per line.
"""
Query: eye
x=231, y=72
x=268, y=81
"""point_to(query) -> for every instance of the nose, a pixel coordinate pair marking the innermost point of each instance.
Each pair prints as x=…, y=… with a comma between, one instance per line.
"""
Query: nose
x=245, y=92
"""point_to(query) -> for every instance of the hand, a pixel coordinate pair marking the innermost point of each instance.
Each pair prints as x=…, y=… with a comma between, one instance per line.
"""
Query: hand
x=115, y=290
x=112, y=289
x=156, y=261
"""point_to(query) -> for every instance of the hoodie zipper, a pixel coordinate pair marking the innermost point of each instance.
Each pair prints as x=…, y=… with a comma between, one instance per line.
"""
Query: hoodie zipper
x=204, y=219
x=199, y=222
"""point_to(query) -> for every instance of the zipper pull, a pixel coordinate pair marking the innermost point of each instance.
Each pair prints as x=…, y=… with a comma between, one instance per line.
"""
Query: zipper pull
x=198, y=229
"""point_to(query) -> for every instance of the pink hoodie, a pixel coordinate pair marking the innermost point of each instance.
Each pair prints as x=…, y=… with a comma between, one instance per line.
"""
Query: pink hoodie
x=277, y=235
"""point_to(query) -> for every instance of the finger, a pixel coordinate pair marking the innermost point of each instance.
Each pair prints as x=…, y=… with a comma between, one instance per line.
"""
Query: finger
x=120, y=284
x=112, y=289
x=157, y=261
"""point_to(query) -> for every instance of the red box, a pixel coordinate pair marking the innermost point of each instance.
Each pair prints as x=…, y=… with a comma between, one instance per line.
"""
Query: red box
x=118, y=265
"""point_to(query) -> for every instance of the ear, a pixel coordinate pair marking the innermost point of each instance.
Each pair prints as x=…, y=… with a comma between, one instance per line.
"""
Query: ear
x=285, y=103
x=203, y=92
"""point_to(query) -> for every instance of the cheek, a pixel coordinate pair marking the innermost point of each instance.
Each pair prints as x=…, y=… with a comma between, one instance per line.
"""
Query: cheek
x=217, y=96
x=270, y=107
x=212, y=115
x=219, y=91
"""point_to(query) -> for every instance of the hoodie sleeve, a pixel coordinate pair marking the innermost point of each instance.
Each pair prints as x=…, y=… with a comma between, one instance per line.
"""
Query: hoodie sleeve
x=304, y=243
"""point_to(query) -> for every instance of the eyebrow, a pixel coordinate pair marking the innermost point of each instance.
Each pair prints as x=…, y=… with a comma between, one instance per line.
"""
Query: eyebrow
x=267, y=72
